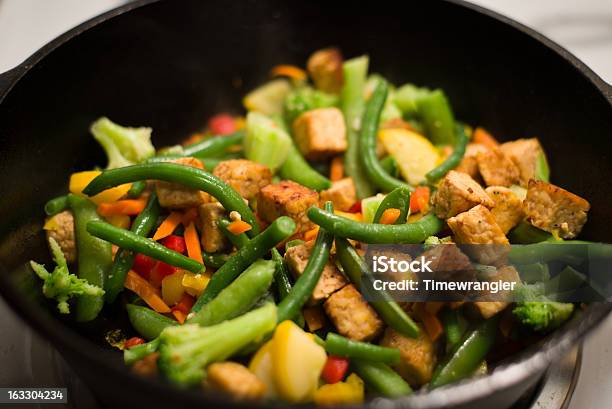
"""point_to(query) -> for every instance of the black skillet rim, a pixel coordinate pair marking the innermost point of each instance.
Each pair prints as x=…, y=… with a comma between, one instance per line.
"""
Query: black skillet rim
x=520, y=368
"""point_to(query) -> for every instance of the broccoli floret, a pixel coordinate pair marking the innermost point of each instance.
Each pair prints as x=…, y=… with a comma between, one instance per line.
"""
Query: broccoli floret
x=536, y=310
x=123, y=146
x=304, y=99
x=60, y=284
x=186, y=350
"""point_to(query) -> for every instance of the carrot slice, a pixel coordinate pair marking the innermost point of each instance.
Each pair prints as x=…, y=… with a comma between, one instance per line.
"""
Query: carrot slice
x=291, y=71
x=389, y=216
x=128, y=207
x=179, y=315
x=419, y=200
x=192, y=241
x=483, y=137
x=311, y=234
x=336, y=169
x=146, y=291
x=168, y=226
x=432, y=324
x=238, y=226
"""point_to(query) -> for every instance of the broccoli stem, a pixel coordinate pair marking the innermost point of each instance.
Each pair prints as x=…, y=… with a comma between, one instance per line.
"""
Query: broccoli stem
x=186, y=350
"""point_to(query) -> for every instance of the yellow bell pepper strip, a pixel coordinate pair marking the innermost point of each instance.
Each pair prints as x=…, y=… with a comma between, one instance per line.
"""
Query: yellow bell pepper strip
x=261, y=366
x=194, y=284
x=79, y=180
x=349, y=392
x=172, y=287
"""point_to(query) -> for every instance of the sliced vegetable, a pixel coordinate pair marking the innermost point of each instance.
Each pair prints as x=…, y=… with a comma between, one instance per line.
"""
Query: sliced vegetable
x=296, y=168
x=261, y=365
x=265, y=141
x=414, y=154
x=349, y=392
x=146, y=291
x=79, y=180
x=453, y=160
x=381, y=378
x=335, y=369
x=56, y=205
x=268, y=98
x=297, y=362
x=238, y=227
x=168, y=226
x=148, y=323
x=344, y=347
x=60, y=284
x=192, y=242
x=172, y=289
x=186, y=350
x=129, y=207
x=437, y=116
x=398, y=203
x=352, y=104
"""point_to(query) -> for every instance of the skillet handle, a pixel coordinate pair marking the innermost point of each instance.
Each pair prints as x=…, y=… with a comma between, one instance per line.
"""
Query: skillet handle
x=7, y=79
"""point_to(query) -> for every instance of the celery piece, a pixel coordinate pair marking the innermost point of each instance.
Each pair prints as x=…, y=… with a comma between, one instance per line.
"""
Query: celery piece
x=437, y=116
x=265, y=142
x=369, y=206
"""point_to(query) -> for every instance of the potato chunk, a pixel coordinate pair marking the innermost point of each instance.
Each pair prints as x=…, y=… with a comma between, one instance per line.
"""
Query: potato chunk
x=287, y=198
x=508, y=209
x=457, y=193
x=320, y=133
x=342, y=194
x=352, y=315
x=331, y=279
x=236, y=380
x=325, y=69
x=496, y=168
x=553, y=209
x=245, y=176
x=418, y=356
x=177, y=196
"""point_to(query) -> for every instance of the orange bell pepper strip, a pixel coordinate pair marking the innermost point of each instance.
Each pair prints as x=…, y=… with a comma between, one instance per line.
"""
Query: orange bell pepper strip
x=291, y=71
x=192, y=242
x=128, y=207
x=311, y=234
x=419, y=200
x=146, y=291
x=168, y=226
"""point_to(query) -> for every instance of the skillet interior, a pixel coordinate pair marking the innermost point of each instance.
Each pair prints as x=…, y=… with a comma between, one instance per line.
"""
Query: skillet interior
x=172, y=64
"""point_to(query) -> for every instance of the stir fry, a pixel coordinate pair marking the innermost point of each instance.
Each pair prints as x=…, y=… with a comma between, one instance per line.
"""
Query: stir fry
x=238, y=255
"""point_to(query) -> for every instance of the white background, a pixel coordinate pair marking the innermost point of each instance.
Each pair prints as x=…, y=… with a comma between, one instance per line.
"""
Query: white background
x=584, y=27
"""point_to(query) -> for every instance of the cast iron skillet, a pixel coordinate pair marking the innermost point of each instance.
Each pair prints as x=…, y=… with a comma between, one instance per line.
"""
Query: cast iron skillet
x=171, y=64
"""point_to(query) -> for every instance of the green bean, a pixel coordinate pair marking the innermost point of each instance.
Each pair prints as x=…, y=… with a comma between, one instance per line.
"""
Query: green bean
x=238, y=297
x=452, y=327
x=257, y=247
x=293, y=243
x=281, y=278
x=138, y=352
x=297, y=169
x=389, y=164
x=126, y=239
x=399, y=198
x=148, y=323
x=124, y=259
x=56, y=205
x=94, y=256
x=213, y=145
x=368, y=140
x=453, y=159
x=215, y=260
x=437, y=116
x=185, y=175
x=356, y=269
x=381, y=378
x=410, y=233
x=137, y=188
x=237, y=240
x=352, y=104
x=305, y=284
x=283, y=285
x=341, y=346
x=526, y=233
x=468, y=354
